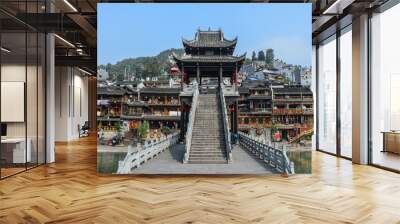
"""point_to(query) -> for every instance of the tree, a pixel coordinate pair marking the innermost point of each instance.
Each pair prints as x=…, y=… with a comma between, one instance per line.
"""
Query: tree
x=297, y=75
x=269, y=58
x=247, y=61
x=166, y=130
x=261, y=56
x=253, y=56
x=143, y=130
x=120, y=77
x=108, y=67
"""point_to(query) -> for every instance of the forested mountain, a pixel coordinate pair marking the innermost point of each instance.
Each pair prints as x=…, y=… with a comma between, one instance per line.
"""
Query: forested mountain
x=141, y=67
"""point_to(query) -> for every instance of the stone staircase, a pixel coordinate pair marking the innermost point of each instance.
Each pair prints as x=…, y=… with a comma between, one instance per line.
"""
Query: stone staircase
x=208, y=140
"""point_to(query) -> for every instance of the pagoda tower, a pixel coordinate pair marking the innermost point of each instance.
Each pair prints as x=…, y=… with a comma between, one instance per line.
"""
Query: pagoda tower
x=209, y=54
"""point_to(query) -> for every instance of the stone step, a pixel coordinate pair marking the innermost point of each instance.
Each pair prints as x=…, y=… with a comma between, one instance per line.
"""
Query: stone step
x=207, y=119
x=207, y=128
x=207, y=159
x=205, y=141
x=209, y=124
x=215, y=114
x=208, y=144
x=208, y=114
x=211, y=145
x=210, y=117
x=206, y=136
x=212, y=132
x=204, y=161
x=214, y=146
x=197, y=151
x=208, y=148
x=202, y=152
x=208, y=155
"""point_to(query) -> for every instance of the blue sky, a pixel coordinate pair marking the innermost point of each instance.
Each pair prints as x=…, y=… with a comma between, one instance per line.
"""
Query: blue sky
x=133, y=30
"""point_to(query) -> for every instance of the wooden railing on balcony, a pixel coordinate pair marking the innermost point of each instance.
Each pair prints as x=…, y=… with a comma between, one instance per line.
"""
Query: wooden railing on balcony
x=287, y=111
x=292, y=99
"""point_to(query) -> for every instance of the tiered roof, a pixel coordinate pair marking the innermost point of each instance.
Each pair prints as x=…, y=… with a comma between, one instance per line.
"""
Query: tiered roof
x=210, y=39
x=209, y=58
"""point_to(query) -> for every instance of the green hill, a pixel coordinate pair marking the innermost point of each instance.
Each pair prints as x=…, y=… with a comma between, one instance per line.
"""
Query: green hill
x=142, y=67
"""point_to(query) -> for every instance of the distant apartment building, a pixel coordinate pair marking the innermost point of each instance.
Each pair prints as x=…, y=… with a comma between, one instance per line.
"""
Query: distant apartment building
x=306, y=78
x=102, y=74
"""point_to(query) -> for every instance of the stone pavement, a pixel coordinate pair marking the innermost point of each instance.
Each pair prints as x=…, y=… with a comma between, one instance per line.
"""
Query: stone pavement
x=170, y=162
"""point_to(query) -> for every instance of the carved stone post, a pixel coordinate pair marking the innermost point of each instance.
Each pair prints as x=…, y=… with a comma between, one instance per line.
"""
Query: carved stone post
x=198, y=73
x=182, y=74
x=220, y=74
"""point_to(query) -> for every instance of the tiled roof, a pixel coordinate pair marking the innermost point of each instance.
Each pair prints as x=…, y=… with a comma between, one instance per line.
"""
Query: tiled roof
x=210, y=39
x=160, y=90
x=243, y=90
x=256, y=84
x=211, y=58
x=259, y=97
x=111, y=90
x=292, y=90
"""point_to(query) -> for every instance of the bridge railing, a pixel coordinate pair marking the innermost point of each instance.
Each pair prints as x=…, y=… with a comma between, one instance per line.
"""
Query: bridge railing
x=192, y=117
x=141, y=154
x=225, y=123
x=272, y=157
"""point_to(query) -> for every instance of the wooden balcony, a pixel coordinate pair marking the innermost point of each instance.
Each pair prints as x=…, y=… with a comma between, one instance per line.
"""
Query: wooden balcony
x=286, y=111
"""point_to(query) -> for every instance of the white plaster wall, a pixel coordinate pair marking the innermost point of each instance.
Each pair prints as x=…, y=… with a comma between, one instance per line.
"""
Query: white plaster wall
x=313, y=89
x=70, y=83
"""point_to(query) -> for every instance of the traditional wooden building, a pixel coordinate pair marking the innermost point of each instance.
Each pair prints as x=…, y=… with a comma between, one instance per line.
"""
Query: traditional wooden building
x=255, y=105
x=287, y=109
x=124, y=106
x=293, y=111
x=210, y=55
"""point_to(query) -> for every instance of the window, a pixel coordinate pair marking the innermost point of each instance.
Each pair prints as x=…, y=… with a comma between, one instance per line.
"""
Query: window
x=385, y=88
x=346, y=93
x=23, y=76
x=327, y=95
